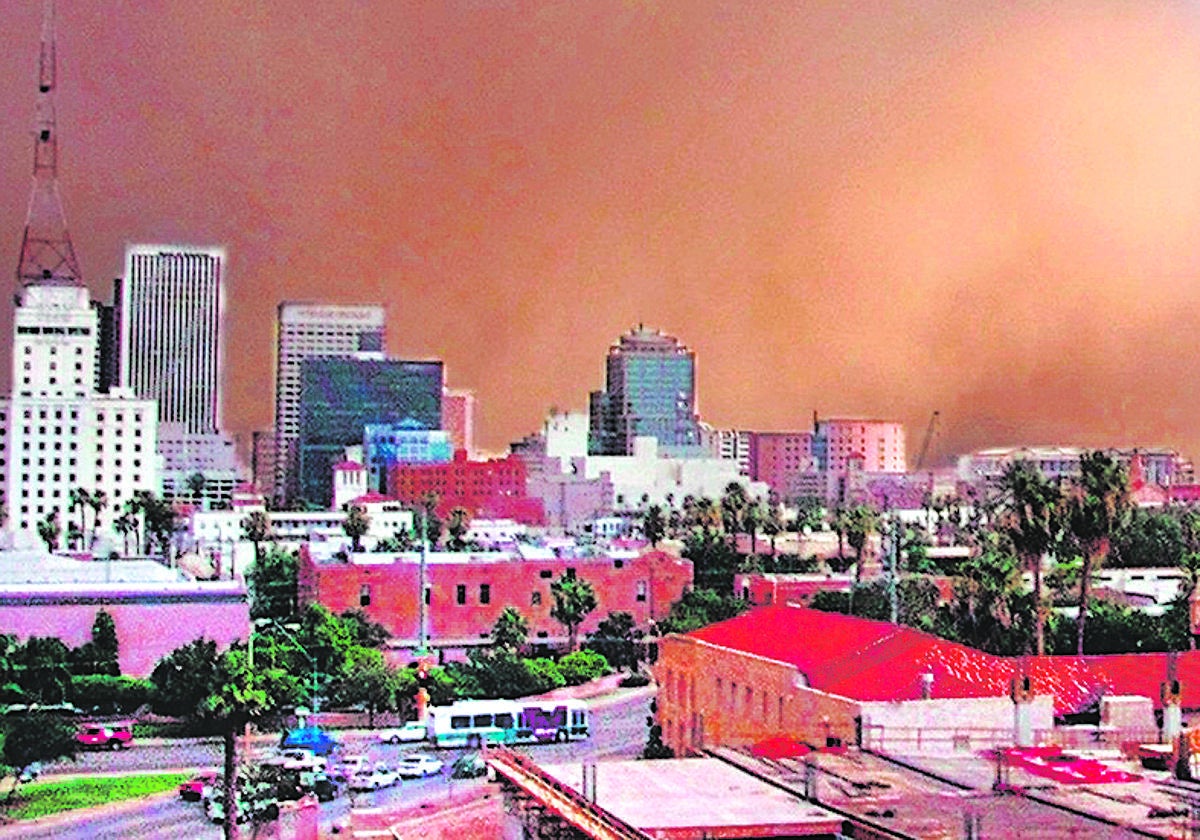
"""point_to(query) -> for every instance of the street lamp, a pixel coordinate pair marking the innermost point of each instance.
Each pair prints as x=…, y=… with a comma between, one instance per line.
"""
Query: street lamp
x=289, y=631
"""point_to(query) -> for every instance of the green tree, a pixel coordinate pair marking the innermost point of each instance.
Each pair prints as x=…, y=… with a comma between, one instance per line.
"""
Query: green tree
x=101, y=654
x=1097, y=504
x=184, y=678
x=42, y=669
x=356, y=525
x=433, y=523
x=41, y=738
x=160, y=521
x=369, y=681
x=654, y=524
x=511, y=631
x=1029, y=514
x=256, y=527
x=241, y=694
x=734, y=503
x=700, y=607
x=616, y=639
x=574, y=598
x=272, y=582
x=714, y=561
x=1149, y=538
x=364, y=631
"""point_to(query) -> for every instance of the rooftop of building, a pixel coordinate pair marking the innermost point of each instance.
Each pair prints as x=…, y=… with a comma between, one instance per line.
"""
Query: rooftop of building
x=679, y=799
x=336, y=552
x=869, y=660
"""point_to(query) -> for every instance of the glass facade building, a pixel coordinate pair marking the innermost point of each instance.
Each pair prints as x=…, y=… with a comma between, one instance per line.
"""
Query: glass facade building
x=650, y=391
x=340, y=397
x=385, y=444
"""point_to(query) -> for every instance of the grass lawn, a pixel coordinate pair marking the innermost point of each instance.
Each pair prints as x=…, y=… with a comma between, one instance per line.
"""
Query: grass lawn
x=42, y=798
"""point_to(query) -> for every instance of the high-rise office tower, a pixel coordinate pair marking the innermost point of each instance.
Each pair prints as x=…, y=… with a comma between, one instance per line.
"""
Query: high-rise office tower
x=307, y=330
x=650, y=391
x=171, y=333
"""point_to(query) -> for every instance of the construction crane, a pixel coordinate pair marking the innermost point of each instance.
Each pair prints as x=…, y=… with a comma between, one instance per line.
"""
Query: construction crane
x=930, y=431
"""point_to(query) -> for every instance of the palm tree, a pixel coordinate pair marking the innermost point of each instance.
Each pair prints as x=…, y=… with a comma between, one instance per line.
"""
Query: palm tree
x=257, y=529
x=574, y=598
x=127, y=525
x=356, y=525
x=50, y=531
x=734, y=503
x=654, y=524
x=457, y=524
x=1097, y=503
x=79, y=500
x=195, y=484
x=1030, y=509
x=859, y=522
x=98, y=502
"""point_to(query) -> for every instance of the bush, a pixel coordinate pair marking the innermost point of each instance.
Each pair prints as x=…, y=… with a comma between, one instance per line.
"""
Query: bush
x=544, y=675
x=104, y=694
x=583, y=666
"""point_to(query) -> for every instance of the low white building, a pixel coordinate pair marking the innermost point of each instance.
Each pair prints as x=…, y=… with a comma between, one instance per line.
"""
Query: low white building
x=220, y=535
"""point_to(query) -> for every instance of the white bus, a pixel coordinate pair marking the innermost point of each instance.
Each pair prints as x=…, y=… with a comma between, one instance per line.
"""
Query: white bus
x=471, y=723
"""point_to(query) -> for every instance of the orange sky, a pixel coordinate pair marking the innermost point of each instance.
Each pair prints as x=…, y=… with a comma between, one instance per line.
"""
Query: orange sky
x=990, y=209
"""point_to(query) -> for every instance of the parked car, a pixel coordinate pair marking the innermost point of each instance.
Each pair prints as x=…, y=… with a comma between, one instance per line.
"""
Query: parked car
x=312, y=738
x=378, y=776
x=303, y=759
x=193, y=789
x=417, y=765
x=349, y=766
x=411, y=731
x=112, y=736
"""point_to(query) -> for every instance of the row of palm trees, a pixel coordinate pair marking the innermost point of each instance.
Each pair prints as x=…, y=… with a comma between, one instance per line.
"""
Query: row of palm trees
x=144, y=517
x=1038, y=515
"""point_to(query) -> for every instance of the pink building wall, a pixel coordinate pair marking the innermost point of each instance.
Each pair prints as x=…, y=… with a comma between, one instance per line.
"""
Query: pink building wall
x=877, y=446
x=385, y=588
x=458, y=418
x=148, y=626
x=779, y=458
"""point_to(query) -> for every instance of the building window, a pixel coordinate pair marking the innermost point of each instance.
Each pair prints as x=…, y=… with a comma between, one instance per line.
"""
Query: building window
x=641, y=591
x=364, y=595
x=546, y=573
x=485, y=593
x=535, y=599
x=460, y=593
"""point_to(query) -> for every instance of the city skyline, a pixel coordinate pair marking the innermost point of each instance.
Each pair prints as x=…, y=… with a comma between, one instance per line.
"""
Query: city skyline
x=988, y=211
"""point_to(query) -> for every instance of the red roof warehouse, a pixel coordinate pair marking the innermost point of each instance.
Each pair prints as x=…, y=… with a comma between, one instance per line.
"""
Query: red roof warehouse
x=842, y=664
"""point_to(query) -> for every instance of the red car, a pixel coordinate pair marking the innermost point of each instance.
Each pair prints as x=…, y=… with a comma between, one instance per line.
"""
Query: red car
x=193, y=789
x=110, y=736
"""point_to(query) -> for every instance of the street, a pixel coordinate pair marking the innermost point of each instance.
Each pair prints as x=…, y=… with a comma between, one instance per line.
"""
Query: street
x=619, y=731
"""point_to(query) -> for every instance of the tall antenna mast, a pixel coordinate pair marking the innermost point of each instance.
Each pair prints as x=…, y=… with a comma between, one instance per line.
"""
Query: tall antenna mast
x=47, y=256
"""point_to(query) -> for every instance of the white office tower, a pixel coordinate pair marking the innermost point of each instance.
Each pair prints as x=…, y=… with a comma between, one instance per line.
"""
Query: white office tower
x=308, y=330
x=58, y=434
x=171, y=331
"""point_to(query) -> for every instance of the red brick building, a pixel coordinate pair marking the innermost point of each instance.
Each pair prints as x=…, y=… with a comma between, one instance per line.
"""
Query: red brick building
x=466, y=592
x=493, y=489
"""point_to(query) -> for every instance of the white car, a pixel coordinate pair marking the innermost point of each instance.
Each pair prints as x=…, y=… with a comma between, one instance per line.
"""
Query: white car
x=379, y=776
x=297, y=759
x=416, y=765
x=411, y=731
